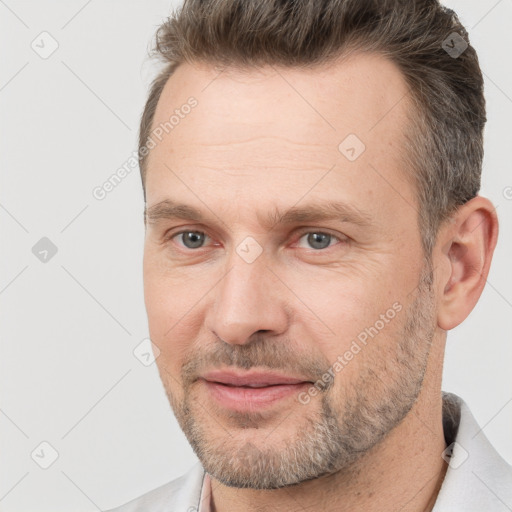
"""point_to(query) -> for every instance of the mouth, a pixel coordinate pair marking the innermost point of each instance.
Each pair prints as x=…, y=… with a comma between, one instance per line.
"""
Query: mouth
x=247, y=385
x=252, y=379
x=251, y=391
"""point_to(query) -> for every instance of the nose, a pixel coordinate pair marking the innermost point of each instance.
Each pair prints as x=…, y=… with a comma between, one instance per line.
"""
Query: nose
x=248, y=299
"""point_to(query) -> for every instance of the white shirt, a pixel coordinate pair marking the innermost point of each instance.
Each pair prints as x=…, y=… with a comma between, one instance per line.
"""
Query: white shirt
x=477, y=479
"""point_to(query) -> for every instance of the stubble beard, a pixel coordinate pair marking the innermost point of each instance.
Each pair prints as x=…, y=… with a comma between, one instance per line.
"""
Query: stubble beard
x=331, y=438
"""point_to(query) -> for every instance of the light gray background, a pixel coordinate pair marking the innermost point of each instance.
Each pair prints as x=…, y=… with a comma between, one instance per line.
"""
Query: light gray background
x=69, y=326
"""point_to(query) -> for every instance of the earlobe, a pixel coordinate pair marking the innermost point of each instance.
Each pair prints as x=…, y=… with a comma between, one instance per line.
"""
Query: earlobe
x=468, y=243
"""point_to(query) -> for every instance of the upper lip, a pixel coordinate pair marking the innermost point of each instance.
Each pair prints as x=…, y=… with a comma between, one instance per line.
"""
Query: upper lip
x=250, y=378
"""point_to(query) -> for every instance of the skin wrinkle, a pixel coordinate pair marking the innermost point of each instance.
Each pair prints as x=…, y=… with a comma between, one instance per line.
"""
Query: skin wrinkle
x=261, y=138
x=359, y=444
x=239, y=174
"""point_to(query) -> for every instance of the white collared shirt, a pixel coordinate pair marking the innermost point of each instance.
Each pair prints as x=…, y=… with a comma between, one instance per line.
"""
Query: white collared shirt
x=478, y=479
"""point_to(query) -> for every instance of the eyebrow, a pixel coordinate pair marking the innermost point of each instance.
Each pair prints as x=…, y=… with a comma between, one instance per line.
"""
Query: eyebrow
x=168, y=209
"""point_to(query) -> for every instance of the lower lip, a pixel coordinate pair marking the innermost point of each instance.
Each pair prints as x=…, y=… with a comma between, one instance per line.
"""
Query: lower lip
x=245, y=398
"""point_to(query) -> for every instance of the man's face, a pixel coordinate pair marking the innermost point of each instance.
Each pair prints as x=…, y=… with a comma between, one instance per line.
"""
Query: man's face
x=262, y=282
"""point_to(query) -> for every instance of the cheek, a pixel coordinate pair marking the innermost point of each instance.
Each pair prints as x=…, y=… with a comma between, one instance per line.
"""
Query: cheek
x=175, y=317
x=349, y=315
x=344, y=301
x=172, y=296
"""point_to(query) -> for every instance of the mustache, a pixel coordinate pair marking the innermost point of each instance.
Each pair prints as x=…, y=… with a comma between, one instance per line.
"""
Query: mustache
x=262, y=353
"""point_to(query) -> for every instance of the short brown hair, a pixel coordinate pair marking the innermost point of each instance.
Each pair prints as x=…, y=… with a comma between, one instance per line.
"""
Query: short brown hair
x=445, y=144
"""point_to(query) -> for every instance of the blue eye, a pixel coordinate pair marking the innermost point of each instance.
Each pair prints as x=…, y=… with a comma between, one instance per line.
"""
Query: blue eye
x=192, y=239
x=318, y=240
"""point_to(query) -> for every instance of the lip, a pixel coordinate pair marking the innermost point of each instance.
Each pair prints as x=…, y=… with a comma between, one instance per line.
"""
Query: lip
x=255, y=379
x=251, y=391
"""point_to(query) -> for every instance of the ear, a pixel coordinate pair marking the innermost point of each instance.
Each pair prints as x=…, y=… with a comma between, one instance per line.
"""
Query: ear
x=463, y=254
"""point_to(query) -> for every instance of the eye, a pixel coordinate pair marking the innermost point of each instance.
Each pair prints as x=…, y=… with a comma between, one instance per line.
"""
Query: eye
x=191, y=239
x=318, y=240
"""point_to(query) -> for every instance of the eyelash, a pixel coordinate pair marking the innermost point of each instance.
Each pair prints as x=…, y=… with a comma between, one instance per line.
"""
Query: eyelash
x=300, y=235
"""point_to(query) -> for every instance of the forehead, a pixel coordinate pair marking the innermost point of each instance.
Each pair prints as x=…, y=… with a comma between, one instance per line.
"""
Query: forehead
x=249, y=128
x=360, y=93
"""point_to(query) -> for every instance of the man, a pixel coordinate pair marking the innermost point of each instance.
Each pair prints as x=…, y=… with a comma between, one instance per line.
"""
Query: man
x=313, y=229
